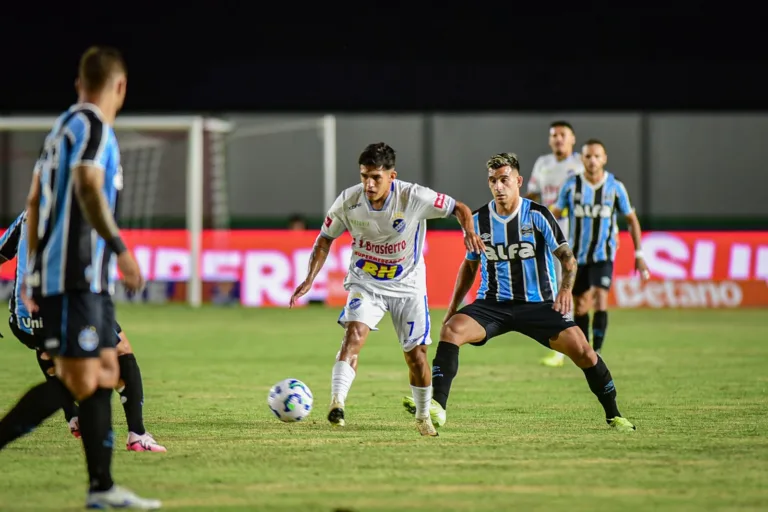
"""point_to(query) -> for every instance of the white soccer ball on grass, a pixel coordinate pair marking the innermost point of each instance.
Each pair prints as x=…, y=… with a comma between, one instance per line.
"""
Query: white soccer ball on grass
x=290, y=400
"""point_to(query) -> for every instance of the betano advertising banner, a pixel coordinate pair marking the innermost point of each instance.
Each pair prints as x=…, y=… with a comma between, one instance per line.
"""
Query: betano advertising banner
x=689, y=269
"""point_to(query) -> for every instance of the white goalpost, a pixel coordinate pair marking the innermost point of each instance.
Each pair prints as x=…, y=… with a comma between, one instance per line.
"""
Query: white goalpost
x=195, y=129
x=160, y=152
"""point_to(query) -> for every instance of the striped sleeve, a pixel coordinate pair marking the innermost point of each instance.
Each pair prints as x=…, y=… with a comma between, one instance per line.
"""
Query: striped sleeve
x=622, y=197
x=471, y=256
x=547, y=225
x=91, y=139
x=563, y=198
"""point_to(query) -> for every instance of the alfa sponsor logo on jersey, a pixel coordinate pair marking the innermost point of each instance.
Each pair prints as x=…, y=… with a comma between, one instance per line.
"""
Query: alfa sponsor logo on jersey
x=398, y=222
x=592, y=211
x=379, y=271
x=518, y=251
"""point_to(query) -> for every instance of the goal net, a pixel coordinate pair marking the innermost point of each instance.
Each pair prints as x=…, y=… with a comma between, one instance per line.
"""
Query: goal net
x=174, y=175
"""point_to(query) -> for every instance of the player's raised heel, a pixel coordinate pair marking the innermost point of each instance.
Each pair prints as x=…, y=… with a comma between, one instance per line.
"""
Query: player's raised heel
x=426, y=428
x=554, y=360
x=74, y=427
x=119, y=497
x=143, y=443
x=436, y=411
x=336, y=416
x=621, y=424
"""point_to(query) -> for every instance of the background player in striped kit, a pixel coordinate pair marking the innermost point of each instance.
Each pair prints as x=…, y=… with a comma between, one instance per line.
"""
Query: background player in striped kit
x=549, y=173
x=74, y=247
x=27, y=329
x=517, y=291
x=592, y=200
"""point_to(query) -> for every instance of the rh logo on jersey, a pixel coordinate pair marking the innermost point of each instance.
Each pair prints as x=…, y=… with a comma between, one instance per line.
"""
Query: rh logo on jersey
x=592, y=211
x=500, y=252
x=379, y=271
x=440, y=201
x=328, y=222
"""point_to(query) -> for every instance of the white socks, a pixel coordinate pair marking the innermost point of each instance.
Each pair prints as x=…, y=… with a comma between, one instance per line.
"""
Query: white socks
x=422, y=397
x=342, y=377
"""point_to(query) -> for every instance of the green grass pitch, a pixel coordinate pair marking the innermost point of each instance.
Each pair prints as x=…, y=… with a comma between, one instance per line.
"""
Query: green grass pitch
x=519, y=436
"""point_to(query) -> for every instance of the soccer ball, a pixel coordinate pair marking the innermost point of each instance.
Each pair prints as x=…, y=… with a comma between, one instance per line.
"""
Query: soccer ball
x=290, y=400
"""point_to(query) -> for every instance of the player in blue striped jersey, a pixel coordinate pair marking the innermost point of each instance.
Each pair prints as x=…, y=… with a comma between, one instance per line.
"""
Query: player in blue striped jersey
x=73, y=241
x=593, y=200
x=28, y=328
x=518, y=291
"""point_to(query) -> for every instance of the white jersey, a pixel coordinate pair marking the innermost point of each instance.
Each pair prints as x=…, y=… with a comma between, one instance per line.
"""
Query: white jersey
x=549, y=175
x=387, y=244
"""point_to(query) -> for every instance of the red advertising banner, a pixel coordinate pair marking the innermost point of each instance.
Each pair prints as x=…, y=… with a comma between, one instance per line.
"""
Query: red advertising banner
x=689, y=269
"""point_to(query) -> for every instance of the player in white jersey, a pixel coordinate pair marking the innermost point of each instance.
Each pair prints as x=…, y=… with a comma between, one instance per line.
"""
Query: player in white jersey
x=387, y=220
x=549, y=173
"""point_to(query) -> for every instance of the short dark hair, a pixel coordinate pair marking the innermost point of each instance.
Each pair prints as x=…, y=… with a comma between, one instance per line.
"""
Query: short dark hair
x=378, y=155
x=563, y=124
x=502, y=160
x=595, y=142
x=97, y=65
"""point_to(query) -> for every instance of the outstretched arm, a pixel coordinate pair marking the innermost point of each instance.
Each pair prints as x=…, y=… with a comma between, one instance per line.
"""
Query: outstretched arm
x=637, y=237
x=568, y=264
x=472, y=240
x=564, y=300
x=33, y=215
x=316, y=262
x=464, y=281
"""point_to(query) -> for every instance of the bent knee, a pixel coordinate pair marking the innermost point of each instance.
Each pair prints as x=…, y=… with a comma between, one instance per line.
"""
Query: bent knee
x=582, y=304
x=81, y=385
x=457, y=332
x=356, y=333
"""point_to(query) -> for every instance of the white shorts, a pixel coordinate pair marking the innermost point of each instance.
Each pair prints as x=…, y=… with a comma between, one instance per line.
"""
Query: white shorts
x=410, y=315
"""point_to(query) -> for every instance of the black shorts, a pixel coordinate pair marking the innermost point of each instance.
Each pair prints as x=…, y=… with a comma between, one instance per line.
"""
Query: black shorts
x=29, y=339
x=77, y=324
x=599, y=275
x=536, y=320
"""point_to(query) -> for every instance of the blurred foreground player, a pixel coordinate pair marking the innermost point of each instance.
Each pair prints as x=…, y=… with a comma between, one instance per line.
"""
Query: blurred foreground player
x=592, y=200
x=549, y=173
x=27, y=330
x=70, y=272
x=387, y=220
x=516, y=293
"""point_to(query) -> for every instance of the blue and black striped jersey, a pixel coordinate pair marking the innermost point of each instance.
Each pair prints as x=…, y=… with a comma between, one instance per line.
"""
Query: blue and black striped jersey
x=518, y=263
x=71, y=256
x=592, y=216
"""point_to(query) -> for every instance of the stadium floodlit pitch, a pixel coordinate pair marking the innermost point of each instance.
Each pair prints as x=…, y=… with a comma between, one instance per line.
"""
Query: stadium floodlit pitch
x=519, y=436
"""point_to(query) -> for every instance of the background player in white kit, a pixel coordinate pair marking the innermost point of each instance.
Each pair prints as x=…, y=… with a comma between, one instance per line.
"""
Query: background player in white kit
x=549, y=173
x=387, y=220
